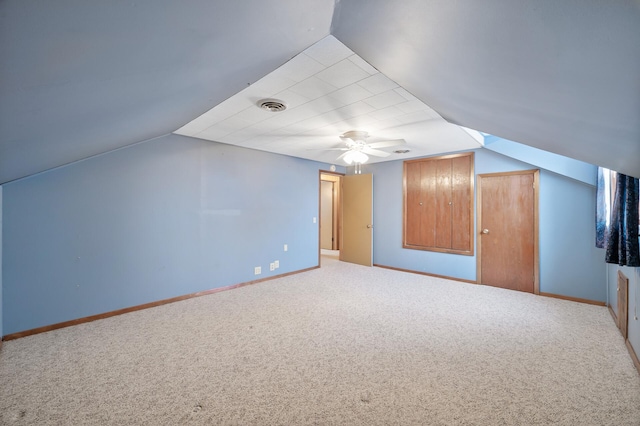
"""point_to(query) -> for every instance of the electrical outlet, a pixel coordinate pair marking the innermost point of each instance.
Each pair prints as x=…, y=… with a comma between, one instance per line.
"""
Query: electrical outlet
x=272, y=266
x=257, y=270
x=276, y=264
x=286, y=247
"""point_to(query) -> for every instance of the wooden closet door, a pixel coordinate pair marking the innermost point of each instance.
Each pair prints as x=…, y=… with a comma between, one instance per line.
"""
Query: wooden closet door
x=462, y=202
x=438, y=204
x=443, y=203
x=507, y=226
x=413, y=207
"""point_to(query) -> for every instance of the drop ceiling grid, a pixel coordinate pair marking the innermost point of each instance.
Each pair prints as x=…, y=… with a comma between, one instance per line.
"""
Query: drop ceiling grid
x=317, y=96
x=328, y=90
x=330, y=82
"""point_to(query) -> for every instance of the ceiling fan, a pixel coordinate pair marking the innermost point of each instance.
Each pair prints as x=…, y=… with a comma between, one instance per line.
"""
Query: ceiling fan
x=358, y=150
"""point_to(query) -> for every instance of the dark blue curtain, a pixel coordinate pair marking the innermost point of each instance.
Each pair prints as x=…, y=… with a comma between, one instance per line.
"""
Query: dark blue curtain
x=621, y=239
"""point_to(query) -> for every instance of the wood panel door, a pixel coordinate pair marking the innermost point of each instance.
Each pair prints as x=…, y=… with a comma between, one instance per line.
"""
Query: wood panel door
x=623, y=304
x=438, y=204
x=357, y=219
x=508, y=230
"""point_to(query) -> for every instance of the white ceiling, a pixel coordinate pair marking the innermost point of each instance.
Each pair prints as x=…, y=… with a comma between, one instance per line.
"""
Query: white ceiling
x=328, y=90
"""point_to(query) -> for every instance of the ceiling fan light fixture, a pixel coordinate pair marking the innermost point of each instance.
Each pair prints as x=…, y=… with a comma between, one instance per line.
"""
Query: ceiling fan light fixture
x=357, y=157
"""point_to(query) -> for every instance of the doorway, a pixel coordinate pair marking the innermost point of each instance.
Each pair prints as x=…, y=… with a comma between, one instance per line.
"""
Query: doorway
x=507, y=230
x=346, y=226
x=330, y=213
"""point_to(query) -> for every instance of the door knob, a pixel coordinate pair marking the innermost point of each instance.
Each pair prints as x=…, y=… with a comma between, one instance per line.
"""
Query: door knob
x=369, y=226
x=485, y=231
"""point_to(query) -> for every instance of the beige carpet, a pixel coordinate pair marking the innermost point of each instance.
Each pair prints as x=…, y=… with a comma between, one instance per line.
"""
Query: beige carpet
x=344, y=344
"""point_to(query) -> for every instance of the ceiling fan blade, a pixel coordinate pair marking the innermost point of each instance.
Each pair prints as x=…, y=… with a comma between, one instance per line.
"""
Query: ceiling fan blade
x=375, y=152
x=341, y=156
x=388, y=143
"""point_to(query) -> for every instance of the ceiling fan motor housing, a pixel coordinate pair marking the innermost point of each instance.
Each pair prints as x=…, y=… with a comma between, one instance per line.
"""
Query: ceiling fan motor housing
x=356, y=135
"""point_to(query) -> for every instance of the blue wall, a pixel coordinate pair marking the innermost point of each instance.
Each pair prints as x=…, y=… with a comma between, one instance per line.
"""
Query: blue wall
x=177, y=215
x=153, y=221
x=565, y=166
x=1, y=333
x=569, y=263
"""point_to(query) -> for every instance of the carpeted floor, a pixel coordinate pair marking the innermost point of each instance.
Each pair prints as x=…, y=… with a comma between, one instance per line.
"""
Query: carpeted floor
x=343, y=344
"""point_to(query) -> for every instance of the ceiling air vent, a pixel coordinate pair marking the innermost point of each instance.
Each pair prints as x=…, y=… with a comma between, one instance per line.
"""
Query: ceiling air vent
x=401, y=151
x=273, y=105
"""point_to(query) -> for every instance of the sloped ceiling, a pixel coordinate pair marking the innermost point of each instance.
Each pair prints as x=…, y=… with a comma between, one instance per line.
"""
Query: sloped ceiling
x=562, y=76
x=83, y=78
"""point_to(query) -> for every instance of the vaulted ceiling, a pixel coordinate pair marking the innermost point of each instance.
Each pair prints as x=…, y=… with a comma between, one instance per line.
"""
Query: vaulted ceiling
x=82, y=78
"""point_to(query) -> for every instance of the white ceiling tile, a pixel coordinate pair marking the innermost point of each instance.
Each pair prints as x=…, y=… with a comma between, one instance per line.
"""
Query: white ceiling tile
x=351, y=94
x=329, y=51
x=216, y=115
x=318, y=122
x=229, y=107
x=255, y=114
x=307, y=125
x=355, y=109
x=390, y=122
x=405, y=94
x=213, y=133
x=335, y=116
x=219, y=113
x=361, y=122
x=385, y=113
x=378, y=83
x=231, y=124
x=311, y=109
x=299, y=142
x=265, y=126
x=294, y=115
x=312, y=88
x=432, y=113
x=421, y=115
x=324, y=104
x=301, y=67
x=267, y=86
x=239, y=136
x=262, y=140
x=368, y=68
x=278, y=145
x=278, y=122
x=354, y=123
x=412, y=106
x=292, y=99
x=288, y=131
x=342, y=74
x=385, y=99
